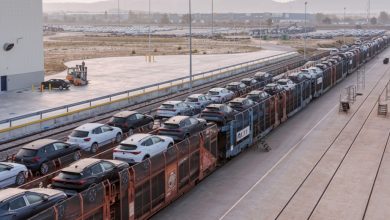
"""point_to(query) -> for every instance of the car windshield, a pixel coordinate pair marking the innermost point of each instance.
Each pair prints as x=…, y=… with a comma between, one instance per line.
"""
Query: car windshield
x=79, y=134
x=214, y=93
x=213, y=109
x=252, y=96
x=27, y=152
x=171, y=126
x=189, y=99
x=127, y=147
x=118, y=120
x=235, y=104
x=70, y=176
x=282, y=83
x=231, y=87
x=167, y=106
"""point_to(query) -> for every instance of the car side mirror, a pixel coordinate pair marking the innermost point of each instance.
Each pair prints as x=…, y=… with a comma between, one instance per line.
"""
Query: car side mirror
x=45, y=198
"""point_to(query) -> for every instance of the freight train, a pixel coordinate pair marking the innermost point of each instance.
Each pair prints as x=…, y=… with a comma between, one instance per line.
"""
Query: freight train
x=145, y=188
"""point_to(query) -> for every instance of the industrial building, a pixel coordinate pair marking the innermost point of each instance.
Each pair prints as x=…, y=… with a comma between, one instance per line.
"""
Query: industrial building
x=21, y=44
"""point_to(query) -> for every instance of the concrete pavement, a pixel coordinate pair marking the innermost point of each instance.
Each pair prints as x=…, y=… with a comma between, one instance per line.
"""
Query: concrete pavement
x=292, y=178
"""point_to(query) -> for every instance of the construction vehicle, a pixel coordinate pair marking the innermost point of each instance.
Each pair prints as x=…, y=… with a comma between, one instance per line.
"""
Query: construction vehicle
x=78, y=75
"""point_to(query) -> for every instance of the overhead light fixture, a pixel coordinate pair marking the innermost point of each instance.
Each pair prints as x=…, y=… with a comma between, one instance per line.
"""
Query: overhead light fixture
x=8, y=46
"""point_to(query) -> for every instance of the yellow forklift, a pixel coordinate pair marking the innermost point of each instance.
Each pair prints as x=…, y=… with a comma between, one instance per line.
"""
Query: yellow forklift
x=78, y=75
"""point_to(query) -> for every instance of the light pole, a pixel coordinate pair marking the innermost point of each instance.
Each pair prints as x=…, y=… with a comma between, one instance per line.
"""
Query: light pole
x=344, y=27
x=119, y=16
x=190, y=26
x=212, y=18
x=305, y=35
x=150, y=22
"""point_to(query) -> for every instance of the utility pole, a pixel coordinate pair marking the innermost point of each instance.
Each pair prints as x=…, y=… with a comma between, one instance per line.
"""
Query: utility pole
x=368, y=12
x=190, y=26
x=305, y=35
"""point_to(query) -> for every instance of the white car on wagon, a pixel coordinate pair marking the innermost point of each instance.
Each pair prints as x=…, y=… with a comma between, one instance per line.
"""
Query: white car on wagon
x=139, y=147
x=12, y=174
x=220, y=95
x=91, y=136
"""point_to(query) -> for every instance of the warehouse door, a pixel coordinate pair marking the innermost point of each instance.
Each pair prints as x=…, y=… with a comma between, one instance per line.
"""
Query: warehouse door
x=3, y=83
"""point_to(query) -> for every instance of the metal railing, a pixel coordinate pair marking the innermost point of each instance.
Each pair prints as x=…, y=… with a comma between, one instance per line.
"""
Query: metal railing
x=39, y=115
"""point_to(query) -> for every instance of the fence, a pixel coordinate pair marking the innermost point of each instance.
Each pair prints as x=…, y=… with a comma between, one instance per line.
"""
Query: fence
x=48, y=119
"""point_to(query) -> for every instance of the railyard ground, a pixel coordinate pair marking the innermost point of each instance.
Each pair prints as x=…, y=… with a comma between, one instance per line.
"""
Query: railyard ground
x=64, y=47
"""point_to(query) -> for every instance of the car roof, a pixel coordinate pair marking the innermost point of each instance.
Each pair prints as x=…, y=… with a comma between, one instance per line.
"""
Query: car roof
x=260, y=73
x=283, y=80
x=35, y=145
x=217, y=89
x=79, y=166
x=172, y=102
x=256, y=92
x=10, y=192
x=247, y=79
x=89, y=126
x=195, y=95
x=234, y=83
x=215, y=105
x=135, y=138
x=271, y=84
x=176, y=119
x=125, y=114
x=239, y=100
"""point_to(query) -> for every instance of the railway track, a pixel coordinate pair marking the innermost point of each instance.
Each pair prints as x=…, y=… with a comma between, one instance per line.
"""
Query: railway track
x=61, y=133
x=350, y=146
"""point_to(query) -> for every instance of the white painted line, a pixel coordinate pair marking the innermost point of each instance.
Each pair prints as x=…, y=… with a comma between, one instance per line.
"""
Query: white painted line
x=279, y=161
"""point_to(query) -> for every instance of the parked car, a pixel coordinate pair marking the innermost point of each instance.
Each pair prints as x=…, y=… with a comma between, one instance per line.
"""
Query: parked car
x=241, y=104
x=127, y=121
x=237, y=87
x=286, y=83
x=91, y=136
x=139, y=147
x=258, y=96
x=12, y=174
x=38, y=154
x=220, y=95
x=182, y=127
x=298, y=77
x=84, y=173
x=198, y=102
x=250, y=82
x=21, y=204
x=273, y=88
x=220, y=113
x=263, y=78
x=56, y=84
x=174, y=108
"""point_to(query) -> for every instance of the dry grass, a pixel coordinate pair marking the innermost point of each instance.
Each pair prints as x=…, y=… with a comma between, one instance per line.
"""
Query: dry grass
x=61, y=49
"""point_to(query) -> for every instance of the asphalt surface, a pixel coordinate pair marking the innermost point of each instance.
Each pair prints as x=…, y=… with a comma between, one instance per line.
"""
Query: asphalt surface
x=124, y=73
x=323, y=165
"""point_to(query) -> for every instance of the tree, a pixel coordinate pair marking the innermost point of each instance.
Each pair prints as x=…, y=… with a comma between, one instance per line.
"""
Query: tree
x=269, y=22
x=165, y=19
x=320, y=17
x=327, y=20
x=383, y=18
x=373, y=21
x=185, y=18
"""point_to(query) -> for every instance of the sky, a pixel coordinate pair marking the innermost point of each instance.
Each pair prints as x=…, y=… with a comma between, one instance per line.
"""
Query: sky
x=242, y=6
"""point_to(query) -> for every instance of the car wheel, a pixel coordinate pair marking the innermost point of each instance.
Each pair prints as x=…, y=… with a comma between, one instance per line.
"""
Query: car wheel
x=170, y=145
x=44, y=169
x=94, y=147
x=118, y=138
x=130, y=132
x=187, y=136
x=61, y=88
x=20, y=179
x=76, y=156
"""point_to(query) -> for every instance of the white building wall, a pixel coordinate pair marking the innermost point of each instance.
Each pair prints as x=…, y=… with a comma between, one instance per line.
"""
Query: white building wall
x=21, y=24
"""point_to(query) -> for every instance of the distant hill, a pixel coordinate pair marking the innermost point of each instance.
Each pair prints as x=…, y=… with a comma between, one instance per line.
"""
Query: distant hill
x=180, y=6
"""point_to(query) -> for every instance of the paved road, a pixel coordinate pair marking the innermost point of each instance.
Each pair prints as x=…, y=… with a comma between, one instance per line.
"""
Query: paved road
x=257, y=185
x=111, y=75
